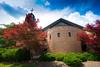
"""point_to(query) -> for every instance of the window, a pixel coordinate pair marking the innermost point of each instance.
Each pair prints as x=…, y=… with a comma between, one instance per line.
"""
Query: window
x=50, y=36
x=58, y=34
x=69, y=34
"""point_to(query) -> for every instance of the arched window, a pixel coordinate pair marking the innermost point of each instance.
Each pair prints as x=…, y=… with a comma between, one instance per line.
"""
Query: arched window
x=69, y=34
x=50, y=36
x=58, y=34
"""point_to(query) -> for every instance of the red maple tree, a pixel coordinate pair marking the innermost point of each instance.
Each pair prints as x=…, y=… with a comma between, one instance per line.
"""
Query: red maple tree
x=95, y=30
x=27, y=34
x=91, y=35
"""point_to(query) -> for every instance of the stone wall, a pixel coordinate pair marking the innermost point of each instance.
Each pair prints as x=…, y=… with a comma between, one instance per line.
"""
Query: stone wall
x=64, y=41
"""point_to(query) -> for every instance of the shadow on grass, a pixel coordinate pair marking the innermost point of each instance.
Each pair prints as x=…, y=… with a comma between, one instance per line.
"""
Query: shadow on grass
x=16, y=65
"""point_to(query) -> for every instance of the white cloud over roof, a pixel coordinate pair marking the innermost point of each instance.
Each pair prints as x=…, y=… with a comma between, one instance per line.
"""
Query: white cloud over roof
x=46, y=16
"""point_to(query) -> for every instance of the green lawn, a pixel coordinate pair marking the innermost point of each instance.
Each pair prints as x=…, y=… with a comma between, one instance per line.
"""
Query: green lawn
x=16, y=65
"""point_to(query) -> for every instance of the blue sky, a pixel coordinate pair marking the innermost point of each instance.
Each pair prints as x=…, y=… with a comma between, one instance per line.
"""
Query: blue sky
x=78, y=11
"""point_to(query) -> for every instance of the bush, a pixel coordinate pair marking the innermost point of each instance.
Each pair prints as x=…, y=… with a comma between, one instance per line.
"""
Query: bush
x=1, y=31
x=72, y=60
x=9, y=43
x=6, y=43
x=98, y=57
x=0, y=57
x=47, y=57
x=2, y=50
x=59, y=57
x=14, y=54
x=9, y=54
x=88, y=56
x=2, y=40
x=22, y=55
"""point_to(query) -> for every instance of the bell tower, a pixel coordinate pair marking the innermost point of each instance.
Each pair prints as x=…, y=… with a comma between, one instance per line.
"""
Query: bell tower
x=30, y=18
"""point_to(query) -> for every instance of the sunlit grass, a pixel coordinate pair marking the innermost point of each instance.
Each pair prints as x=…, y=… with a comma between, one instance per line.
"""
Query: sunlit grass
x=16, y=65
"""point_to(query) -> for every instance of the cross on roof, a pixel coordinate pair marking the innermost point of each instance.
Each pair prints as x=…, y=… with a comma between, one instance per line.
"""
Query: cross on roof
x=32, y=10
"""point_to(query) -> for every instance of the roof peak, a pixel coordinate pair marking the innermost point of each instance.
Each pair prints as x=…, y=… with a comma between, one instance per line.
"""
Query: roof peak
x=63, y=21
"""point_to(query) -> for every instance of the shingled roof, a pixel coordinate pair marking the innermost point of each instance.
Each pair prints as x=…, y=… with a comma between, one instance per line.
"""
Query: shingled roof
x=63, y=21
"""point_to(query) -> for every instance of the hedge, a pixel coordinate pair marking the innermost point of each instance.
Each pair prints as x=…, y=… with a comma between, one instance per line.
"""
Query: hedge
x=47, y=57
x=14, y=54
x=72, y=59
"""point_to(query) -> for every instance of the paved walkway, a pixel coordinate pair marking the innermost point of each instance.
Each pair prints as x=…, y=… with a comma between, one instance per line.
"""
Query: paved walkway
x=52, y=64
x=91, y=64
x=62, y=64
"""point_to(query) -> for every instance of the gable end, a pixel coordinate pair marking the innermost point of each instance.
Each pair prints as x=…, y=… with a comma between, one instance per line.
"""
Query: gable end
x=62, y=22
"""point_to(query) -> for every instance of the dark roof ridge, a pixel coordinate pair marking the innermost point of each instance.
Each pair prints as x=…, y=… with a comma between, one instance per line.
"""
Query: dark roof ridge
x=64, y=21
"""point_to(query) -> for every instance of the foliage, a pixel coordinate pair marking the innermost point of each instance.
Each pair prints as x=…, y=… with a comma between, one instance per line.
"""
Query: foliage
x=16, y=65
x=95, y=30
x=8, y=54
x=72, y=59
x=9, y=43
x=23, y=55
x=2, y=50
x=1, y=31
x=47, y=57
x=88, y=56
x=26, y=35
x=59, y=57
x=6, y=43
x=93, y=34
x=2, y=41
x=9, y=25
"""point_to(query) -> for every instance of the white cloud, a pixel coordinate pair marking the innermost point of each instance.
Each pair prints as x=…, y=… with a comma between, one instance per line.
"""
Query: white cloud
x=47, y=16
x=7, y=19
x=21, y=3
x=82, y=20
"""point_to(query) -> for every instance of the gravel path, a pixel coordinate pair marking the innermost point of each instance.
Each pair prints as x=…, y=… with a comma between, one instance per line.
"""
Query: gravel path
x=61, y=64
x=91, y=64
x=52, y=64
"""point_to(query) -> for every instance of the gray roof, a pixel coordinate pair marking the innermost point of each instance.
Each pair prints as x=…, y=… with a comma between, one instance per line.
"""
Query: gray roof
x=63, y=21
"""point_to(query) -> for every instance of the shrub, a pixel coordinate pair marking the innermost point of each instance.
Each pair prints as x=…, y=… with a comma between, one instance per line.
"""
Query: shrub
x=47, y=57
x=14, y=54
x=6, y=43
x=17, y=65
x=72, y=60
x=1, y=31
x=9, y=43
x=0, y=57
x=88, y=56
x=2, y=50
x=98, y=57
x=2, y=40
x=9, y=54
x=59, y=57
x=22, y=55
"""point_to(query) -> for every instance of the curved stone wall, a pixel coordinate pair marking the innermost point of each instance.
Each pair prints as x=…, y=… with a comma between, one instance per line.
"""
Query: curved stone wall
x=63, y=39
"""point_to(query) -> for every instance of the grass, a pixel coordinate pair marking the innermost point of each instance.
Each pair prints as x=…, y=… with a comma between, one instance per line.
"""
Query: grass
x=16, y=65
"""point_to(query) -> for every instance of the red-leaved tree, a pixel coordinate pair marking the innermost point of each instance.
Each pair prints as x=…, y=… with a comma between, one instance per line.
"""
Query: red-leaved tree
x=27, y=35
x=95, y=30
x=91, y=35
